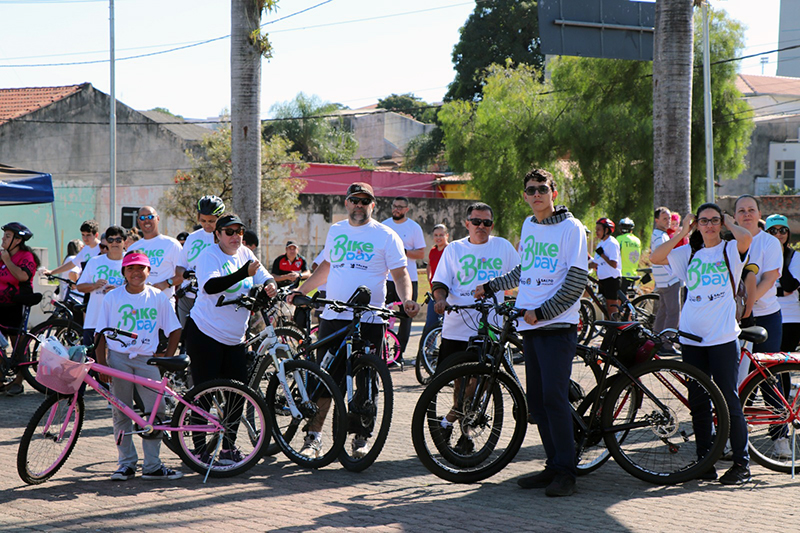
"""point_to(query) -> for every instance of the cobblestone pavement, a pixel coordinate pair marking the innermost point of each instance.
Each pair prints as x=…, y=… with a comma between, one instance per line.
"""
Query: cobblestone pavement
x=395, y=494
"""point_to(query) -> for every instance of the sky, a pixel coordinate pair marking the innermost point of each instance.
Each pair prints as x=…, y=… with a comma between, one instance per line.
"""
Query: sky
x=351, y=52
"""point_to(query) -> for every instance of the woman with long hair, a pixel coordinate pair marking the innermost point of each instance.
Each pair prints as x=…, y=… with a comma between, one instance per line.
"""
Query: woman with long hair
x=711, y=268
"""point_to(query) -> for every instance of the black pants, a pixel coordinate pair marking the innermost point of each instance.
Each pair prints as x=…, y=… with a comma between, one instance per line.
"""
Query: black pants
x=404, y=330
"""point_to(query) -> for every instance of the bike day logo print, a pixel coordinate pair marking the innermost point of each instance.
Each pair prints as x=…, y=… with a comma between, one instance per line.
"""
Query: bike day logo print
x=541, y=255
x=483, y=268
x=246, y=283
x=144, y=319
x=706, y=274
x=112, y=276
x=346, y=250
x=197, y=247
x=156, y=256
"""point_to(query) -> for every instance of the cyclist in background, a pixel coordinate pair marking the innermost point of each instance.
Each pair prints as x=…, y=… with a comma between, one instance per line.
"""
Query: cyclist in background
x=607, y=264
x=90, y=235
x=630, y=250
x=209, y=209
x=440, y=237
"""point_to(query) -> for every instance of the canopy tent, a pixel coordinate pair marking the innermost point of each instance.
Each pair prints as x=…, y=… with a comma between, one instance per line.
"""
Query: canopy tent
x=22, y=187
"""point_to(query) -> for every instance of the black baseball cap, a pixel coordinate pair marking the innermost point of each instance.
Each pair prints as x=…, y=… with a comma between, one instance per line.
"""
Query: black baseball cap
x=360, y=187
x=290, y=243
x=228, y=220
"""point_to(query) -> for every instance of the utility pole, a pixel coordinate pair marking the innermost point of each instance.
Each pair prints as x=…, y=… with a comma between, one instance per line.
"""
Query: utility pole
x=710, y=196
x=112, y=120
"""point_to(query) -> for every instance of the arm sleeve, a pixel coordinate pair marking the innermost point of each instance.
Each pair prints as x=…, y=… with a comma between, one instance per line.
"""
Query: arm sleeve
x=505, y=282
x=219, y=284
x=566, y=296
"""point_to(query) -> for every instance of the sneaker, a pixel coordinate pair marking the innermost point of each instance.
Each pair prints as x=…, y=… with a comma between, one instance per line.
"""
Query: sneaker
x=781, y=449
x=361, y=447
x=14, y=389
x=464, y=446
x=163, y=473
x=539, y=480
x=708, y=475
x=230, y=457
x=736, y=475
x=124, y=473
x=312, y=447
x=562, y=485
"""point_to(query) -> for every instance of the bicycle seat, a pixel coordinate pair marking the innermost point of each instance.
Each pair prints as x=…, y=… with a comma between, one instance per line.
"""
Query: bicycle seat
x=754, y=334
x=613, y=324
x=28, y=300
x=173, y=364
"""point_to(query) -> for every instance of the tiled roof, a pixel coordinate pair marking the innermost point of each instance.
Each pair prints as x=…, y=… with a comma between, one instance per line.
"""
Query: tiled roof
x=751, y=85
x=19, y=102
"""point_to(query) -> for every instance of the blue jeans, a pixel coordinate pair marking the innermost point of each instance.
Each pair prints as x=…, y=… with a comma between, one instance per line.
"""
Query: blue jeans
x=774, y=325
x=721, y=363
x=548, y=365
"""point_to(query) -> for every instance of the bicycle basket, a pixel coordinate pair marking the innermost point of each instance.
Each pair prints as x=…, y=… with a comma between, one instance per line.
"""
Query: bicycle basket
x=628, y=344
x=56, y=371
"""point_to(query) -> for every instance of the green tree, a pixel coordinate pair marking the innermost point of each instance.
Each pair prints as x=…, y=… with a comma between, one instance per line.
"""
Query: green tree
x=212, y=173
x=317, y=137
x=410, y=105
x=496, y=30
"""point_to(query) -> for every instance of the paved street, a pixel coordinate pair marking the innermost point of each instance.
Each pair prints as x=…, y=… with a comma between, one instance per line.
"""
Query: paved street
x=395, y=494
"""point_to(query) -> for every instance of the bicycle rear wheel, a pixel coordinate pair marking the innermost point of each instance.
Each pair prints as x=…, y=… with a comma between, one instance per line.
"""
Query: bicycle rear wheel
x=243, y=437
x=769, y=419
x=49, y=438
x=656, y=444
x=369, y=412
x=306, y=380
x=645, y=309
x=491, y=421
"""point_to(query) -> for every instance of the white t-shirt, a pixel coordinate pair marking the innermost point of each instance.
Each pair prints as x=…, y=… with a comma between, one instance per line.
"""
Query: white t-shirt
x=63, y=288
x=144, y=314
x=790, y=304
x=227, y=324
x=766, y=253
x=662, y=276
x=547, y=252
x=100, y=267
x=463, y=267
x=611, y=250
x=360, y=255
x=318, y=261
x=413, y=239
x=165, y=254
x=85, y=254
x=709, y=311
x=196, y=242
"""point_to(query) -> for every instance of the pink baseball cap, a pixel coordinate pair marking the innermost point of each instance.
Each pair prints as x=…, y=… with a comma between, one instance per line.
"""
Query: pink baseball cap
x=135, y=258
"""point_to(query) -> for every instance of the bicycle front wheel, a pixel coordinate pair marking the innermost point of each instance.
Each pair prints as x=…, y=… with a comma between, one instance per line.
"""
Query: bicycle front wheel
x=369, y=413
x=236, y=448
x=490, y=423
x=645, y=309
x=655, y=439
x=769, y=419
x=428, y=355
x=49, y=438
x=313, y=392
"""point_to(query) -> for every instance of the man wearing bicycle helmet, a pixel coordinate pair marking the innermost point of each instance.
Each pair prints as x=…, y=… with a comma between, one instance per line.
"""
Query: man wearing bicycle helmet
x=607, y=264
x=18, y=264
x=630, y=249
x=209, y=209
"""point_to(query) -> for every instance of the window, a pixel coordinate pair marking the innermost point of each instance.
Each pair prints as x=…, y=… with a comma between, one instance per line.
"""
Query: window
x=129, y=214
x=785, y=173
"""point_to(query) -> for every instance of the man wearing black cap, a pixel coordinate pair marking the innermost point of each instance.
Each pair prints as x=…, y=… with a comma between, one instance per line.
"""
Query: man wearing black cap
x=290, y=267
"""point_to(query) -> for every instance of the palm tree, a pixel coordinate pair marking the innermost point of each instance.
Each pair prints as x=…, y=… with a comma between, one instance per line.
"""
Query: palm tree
x=672, y=104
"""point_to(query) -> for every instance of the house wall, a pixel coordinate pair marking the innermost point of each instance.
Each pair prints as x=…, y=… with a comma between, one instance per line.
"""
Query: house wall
x=381, y=134
x=787, y=205
x=77, y=156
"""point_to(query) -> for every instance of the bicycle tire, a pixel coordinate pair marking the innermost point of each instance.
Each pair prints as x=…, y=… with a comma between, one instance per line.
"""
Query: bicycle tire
x=40, y=455
x=768, y=419
x=67, y=332
x=226, y=400
x=391, y=347
x=585, y=321
x=496, y=445
x=590, y=450
x=317, y=382
x=373, y=398
x=646, y=308
x=428, y=355
x=646, y=451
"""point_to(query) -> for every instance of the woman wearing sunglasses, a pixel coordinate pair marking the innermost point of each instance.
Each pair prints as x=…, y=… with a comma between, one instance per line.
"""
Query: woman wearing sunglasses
x=215, y=335
x=788, y=283
x=711, y=267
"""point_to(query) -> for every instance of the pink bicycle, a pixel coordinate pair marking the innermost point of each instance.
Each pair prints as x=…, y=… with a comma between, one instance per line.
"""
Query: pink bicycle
x=213, y=417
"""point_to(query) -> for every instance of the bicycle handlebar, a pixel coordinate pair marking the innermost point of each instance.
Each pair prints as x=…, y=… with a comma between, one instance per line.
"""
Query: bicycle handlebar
x=339, y=306
x=51, y=277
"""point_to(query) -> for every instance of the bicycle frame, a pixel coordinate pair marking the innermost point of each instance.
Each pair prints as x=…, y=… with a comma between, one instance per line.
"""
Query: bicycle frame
x=762, y=363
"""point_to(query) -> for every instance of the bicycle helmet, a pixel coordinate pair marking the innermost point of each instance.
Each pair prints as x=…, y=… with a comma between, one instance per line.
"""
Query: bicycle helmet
x=210, y=205
x=19, y=230
x=607, y=223
x=626, y=225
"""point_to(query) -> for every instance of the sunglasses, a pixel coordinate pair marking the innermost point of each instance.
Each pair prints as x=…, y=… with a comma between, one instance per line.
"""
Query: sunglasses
x=399, y=206
x=783, y=230
x=541, y=189
x=146, y=217
x=103, y=247
x=114, y=239
x=230, y=232
x=355, y=200
x=706, y=221
x=478, y=221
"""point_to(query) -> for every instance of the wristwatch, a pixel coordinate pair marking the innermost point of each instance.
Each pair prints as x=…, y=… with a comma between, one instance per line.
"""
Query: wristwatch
x=170, y=282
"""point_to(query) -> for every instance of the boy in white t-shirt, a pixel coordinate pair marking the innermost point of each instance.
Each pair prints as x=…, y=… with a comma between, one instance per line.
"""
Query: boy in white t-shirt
x=606, y=262
x=138, y=308
x=90, y=235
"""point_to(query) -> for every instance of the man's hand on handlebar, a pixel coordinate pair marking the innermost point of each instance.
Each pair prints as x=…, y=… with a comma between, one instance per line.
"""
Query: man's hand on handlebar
x=440, y=307
x=411, y=308
x=271, y=290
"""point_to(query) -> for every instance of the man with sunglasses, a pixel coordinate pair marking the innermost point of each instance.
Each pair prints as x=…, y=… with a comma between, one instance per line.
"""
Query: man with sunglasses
x=358, y=251
x=414, y=244
x=167, y=262
x=551, y=278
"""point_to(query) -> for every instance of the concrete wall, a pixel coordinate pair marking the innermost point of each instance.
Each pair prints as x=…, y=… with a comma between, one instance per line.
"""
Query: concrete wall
x=382, y=134
x=789, y=60
x=77, y=155
x=786, y=205
x=317, y=212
